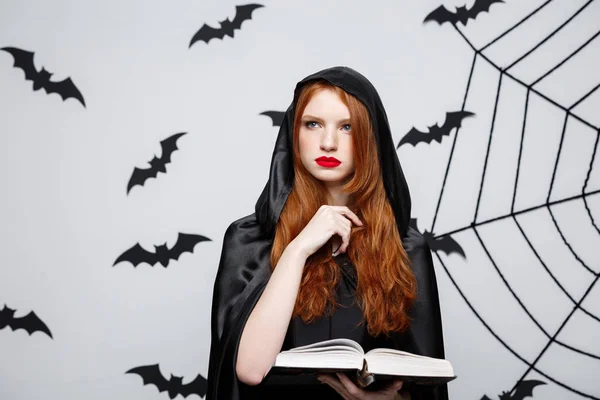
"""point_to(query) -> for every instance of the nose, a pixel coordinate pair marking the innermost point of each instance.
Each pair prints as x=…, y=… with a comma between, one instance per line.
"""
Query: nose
x=329, y=139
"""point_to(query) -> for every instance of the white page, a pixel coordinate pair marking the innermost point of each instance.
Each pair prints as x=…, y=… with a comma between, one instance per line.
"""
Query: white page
x=351, y=345
x=383, y=362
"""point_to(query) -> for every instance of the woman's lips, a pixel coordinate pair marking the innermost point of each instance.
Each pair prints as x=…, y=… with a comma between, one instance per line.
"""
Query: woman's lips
x=328, y=162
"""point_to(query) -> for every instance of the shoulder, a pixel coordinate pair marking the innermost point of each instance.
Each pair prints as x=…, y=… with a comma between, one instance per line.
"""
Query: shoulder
x=247, y=225
x=244, y=239
x=243, y=224
x=414, y=241
x=419, y=253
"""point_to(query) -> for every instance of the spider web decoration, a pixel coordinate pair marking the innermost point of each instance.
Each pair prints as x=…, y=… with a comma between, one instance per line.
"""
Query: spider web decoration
x=530, y=194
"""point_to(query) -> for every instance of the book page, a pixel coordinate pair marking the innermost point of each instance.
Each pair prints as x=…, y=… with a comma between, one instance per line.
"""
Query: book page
x=396, y=362
x=320, y=360
x=384, y=350
x=335, y=353
x=327, y=345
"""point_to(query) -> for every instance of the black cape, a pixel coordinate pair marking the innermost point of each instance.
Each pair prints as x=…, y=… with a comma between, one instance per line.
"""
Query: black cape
x=244, y=266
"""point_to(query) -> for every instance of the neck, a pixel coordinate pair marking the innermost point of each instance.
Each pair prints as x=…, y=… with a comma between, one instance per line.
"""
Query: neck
x=337, y=197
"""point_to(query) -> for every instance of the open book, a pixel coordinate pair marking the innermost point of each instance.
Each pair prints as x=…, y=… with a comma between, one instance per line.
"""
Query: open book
x=345, y=355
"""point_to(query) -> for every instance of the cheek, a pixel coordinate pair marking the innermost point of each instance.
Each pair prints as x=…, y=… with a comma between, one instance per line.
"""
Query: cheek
x=349, y=149
x=304, y=145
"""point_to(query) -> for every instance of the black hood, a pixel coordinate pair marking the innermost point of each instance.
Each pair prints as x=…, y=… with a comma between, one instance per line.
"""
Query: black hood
x=281, y=175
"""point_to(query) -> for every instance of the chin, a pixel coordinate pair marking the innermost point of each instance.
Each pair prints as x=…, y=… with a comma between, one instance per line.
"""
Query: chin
x=331, y=176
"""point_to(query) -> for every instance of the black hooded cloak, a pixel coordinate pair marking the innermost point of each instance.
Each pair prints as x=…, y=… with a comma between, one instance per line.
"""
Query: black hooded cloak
x=244, y=267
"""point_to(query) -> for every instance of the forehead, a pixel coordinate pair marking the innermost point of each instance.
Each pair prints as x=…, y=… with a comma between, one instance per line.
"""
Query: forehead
x=327, y=104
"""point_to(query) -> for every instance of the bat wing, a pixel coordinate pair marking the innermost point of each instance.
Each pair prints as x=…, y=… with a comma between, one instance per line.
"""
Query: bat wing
x=414, y=137
x=448, y=245
x=525, y=389
x=169, y=145
x=151, y=376
x=243, y=13
x=140, y=175
x=66, y=89
x=435, y=132
x=185, y=243
x=453, y=120
x=31, y=323
x=205, y=33
x=441, y=15
x=480, y=6
x=137, y=255
x=198, y=386
x=276, y=116
x=23, y=60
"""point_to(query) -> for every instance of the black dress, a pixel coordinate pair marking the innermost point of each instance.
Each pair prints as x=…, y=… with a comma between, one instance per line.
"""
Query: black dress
x=345, y=322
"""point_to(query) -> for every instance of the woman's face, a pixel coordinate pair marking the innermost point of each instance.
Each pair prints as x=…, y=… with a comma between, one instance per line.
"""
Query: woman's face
x=325, y=139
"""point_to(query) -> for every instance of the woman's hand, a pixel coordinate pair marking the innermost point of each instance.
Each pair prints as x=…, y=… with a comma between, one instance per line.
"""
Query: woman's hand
x=327, y=221
x=349, y=391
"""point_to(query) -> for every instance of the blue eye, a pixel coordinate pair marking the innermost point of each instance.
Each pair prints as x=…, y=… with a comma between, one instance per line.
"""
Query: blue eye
x=308, y=124
x=347, y=125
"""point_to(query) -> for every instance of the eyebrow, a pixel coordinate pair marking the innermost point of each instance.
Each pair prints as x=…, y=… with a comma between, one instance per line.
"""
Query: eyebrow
x=308, y=116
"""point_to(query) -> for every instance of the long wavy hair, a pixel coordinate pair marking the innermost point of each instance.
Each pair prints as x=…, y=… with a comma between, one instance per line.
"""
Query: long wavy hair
x=386, y=286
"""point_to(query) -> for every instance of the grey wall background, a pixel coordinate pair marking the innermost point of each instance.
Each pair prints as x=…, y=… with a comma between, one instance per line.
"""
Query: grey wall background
x=522, y=304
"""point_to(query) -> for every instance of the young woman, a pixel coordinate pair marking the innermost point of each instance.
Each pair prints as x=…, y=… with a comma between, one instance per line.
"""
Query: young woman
x=327, y=253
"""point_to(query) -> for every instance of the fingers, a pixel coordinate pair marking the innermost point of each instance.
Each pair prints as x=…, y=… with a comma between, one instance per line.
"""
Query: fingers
x=341, y=219
x=351, y=388
x=348, y=214
x=396, y=385
x=335, y=384
x=349, y=391
x=344, y=229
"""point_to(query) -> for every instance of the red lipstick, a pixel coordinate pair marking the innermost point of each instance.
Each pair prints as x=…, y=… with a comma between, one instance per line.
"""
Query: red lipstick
x=328, y=162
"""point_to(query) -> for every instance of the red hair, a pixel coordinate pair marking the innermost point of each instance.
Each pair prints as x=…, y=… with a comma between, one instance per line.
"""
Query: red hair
x=386, y=286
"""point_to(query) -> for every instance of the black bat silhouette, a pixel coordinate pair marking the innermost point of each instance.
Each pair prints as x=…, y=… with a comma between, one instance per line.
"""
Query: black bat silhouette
x=41, y=79
x=137, y=254
x=30, y=322
x=462, y=14
x=524, y=389
x=140, y=176
x=453, y=120
x=445, y=243
x=276, y=116
x=151, y=376
x=227, y=27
